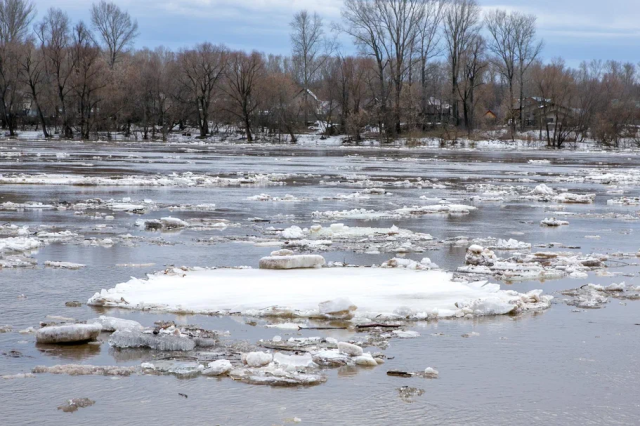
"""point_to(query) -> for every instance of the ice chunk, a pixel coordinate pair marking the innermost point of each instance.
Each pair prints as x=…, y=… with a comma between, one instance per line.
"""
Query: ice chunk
x=569, y=198
x=295, y=232
x=71, y=333
x=553, y=222
x=63, y=265
x=350, y=349
x=366, y=360
x=85, y=370
x=330, y=357
x=273, y=376
x=72, y=405
x=116, y=324
x=294, y=362
x=431, y=373
x=19, y=376
x=257, y=359
x=480, y=256
x=542, y=190
x=406, y=334
x=283, y=252
x=218, y=368
x=182, y=369
x=338, y=308
x=19, y=244
x=292, y=262
x=159, y=342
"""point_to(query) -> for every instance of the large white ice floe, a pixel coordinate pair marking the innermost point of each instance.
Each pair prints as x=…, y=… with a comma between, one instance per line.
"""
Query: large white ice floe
x=68, y=333
x=376, y=292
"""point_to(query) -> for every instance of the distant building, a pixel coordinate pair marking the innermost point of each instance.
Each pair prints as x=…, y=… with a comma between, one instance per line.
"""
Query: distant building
x=538, y=112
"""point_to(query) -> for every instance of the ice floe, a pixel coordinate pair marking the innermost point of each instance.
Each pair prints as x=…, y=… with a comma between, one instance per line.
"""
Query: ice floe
x=377, y=292
x=404, y=212
x=521, y=266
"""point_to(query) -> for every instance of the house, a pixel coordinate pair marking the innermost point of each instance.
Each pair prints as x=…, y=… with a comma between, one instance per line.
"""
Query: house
x=319, y=107
x=490, y=117
x=538, y=112
x=435, y=111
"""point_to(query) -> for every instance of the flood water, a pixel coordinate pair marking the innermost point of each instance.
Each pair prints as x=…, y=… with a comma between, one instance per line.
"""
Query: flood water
x=552, y=367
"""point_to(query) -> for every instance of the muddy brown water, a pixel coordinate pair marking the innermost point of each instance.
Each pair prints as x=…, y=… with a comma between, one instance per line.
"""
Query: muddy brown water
x=554, y=367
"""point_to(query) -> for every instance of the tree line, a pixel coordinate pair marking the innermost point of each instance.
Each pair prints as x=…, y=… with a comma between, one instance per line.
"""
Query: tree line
x=425, y=67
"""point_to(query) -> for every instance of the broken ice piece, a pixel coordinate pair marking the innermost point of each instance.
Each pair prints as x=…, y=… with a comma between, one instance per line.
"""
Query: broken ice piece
x=70, y=333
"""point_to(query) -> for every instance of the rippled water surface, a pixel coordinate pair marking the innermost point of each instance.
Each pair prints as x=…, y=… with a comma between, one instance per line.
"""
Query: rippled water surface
x=552, y=367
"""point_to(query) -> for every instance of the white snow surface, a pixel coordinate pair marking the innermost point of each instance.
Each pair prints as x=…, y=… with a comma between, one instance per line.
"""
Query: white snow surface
x=298, y=293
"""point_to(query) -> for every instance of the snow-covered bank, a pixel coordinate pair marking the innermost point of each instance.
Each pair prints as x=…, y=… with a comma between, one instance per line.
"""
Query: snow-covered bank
x=376, y=292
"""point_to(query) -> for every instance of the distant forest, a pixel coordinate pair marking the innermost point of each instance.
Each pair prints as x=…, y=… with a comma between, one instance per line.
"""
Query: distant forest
x=439, y=68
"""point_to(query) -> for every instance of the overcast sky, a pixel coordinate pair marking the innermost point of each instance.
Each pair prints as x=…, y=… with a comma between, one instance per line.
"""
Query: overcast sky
x=573, y=29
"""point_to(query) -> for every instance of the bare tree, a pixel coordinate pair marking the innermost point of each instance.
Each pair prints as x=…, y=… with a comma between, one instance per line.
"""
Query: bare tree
x=33, y=73
x=15, y=18
x=528, y=50
x=310, y=51
x=427, y=46
x=504, y=47
x=400, y=23
x=54, y=34
x=461, y=25
x=201, y=70
x=243, y=74
x=473, y=66
x=386, y=30
x=87, y=79
x=363, y=24
x=556, y=88
x=115, y=27
x=279, y=93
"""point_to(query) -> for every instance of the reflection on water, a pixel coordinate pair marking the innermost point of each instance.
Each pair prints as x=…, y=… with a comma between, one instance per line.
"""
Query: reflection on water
x=555, y=367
